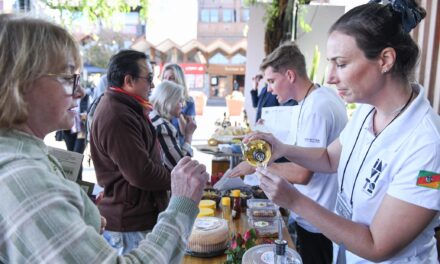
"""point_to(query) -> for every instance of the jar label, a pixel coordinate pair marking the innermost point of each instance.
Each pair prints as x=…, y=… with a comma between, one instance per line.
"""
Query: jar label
x=259, y=155
x=206, y=224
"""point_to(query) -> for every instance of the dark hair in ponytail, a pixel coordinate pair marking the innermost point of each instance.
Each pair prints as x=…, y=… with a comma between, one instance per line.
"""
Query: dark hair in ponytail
x=376, y=27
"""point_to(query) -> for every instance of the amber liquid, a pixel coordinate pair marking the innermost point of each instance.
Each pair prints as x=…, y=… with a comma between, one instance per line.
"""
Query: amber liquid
x=257, y=152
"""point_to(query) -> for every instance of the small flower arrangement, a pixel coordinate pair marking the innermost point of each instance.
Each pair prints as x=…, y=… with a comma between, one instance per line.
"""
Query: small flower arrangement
x=239, y=245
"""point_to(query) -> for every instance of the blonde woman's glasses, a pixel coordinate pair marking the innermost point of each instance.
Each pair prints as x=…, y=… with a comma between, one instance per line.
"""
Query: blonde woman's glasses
x=70, y=78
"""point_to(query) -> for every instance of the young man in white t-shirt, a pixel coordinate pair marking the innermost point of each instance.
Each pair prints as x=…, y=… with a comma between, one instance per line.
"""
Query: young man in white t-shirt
x=322, y=116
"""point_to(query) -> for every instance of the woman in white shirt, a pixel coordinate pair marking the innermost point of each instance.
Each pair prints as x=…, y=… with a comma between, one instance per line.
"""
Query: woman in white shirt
x=387, y=157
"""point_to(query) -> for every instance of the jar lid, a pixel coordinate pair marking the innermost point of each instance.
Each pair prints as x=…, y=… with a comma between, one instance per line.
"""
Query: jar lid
x=207, y=204
x=226, y=201
x=205, y=212
x=266, y=254
x=235, y=193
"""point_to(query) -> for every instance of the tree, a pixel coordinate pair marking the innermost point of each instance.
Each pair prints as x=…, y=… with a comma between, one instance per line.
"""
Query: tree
x=279, y=20
x=97, y=10
x=98, y=50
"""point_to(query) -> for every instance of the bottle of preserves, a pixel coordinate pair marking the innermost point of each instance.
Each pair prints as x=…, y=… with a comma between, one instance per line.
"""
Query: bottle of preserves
x=236, y=204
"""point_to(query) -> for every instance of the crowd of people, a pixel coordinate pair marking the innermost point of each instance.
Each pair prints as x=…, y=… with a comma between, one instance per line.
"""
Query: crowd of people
x=358, y=191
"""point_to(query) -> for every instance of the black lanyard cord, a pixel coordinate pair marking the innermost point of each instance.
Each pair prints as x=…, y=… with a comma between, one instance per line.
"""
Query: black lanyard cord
x=352, y=149
x=369, y=147
x=300, y=110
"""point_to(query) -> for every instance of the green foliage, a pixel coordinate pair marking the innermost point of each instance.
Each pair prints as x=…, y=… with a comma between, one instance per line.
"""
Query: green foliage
x=305, y=27
x=315, y=63
x=278, y=15
x=239, y=245
x=351, y=106
x=95, y=10
x=98, y=51
x=249, y=2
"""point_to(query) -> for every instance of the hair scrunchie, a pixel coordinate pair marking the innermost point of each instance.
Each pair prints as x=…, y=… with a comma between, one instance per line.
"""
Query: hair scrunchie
x=411, y=15
x=409, y=12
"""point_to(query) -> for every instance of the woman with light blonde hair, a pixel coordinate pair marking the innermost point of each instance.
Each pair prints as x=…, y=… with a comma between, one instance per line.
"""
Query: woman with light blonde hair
x=167, y=100
x=46, y=218
x=174, y=73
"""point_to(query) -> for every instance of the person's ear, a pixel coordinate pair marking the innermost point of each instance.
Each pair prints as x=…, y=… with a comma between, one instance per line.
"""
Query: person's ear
x=387, y=58
x=128, y=80
x=290, y=75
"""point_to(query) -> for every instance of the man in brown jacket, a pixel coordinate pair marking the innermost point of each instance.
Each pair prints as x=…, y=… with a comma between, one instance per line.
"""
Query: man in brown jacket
x=126, y=155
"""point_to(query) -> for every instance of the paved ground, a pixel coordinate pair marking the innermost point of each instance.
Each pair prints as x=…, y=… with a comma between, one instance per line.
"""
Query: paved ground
x=205, y=128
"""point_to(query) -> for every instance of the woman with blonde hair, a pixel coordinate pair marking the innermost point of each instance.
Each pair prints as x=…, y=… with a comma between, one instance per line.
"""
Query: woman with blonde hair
x=46, y=218
x=174, y=73
x=167, y=100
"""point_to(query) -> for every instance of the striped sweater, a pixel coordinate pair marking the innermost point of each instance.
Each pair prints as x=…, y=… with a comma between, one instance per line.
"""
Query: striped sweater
x=167, y=135
x=45, y=218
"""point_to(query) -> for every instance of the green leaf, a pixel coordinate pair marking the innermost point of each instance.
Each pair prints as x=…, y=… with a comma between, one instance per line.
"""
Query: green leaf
x=98, y=9
x=250, y=243
x=253, y=233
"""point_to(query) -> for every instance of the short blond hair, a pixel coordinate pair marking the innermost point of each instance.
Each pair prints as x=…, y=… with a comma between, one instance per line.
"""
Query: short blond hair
x=179, y=74
x=165, y=97
x=29, y=49
x=286, y=56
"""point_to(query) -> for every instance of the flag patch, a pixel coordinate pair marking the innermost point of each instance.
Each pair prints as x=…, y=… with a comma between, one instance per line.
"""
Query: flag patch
x=428, y=179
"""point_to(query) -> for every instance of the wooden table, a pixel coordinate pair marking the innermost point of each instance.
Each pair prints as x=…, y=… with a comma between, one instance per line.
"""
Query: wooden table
x=241, y=225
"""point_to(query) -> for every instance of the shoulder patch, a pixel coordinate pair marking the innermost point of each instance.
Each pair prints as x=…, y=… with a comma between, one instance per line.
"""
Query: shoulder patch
x=428, y=179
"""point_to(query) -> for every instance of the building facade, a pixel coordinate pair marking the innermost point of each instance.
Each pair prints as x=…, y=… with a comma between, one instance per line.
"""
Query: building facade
x=214, y=55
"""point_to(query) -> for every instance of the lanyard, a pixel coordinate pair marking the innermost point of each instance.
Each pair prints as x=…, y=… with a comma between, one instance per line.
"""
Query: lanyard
x=369, y=147
x=300, y=110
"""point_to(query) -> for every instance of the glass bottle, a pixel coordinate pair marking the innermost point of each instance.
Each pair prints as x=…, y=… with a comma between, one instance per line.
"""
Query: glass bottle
x=257, y=152
x=280, y=252
x=236, y=206
x=246, y=121
x=226, y=123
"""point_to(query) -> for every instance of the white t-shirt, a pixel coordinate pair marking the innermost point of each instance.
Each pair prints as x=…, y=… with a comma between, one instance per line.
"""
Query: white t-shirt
x=321, y=119
x=410, y=144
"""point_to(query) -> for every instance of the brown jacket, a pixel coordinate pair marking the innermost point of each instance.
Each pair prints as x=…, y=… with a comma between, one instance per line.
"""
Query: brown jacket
x=127, y=164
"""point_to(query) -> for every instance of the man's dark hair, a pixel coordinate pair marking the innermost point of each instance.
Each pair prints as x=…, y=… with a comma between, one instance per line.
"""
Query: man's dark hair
x=124, y=63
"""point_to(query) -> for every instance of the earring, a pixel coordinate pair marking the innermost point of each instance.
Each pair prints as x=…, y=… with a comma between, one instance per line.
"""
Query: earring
x=384, y=71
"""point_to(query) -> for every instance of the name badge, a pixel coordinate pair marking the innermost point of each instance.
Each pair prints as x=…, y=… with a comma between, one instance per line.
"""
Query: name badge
x=343, y=206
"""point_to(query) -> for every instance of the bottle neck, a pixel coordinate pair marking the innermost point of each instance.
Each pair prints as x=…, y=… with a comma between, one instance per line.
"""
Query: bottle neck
x=280, y=251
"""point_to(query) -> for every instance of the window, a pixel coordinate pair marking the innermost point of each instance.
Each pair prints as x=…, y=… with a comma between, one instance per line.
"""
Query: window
x=213, y=13
x=131, y=18
x=214, y=80
x=245, y=15
x=218, y=58
x=228, y=15
x=204, y=15
x=238, y=59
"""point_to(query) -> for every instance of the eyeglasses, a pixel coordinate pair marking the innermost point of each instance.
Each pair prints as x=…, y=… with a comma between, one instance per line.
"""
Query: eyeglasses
x=74, y=78
x=149, y=78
